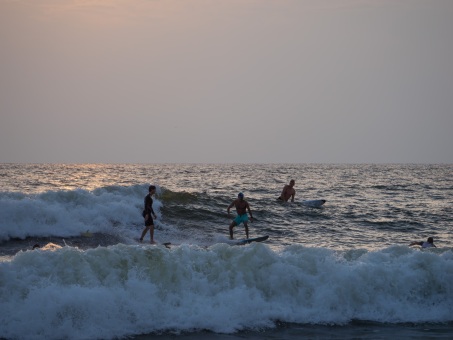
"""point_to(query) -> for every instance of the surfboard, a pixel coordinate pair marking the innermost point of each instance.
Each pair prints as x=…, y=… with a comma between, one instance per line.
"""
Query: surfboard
x=314, y=203
x=250, y=240
x=144, y=241
x=167, y=245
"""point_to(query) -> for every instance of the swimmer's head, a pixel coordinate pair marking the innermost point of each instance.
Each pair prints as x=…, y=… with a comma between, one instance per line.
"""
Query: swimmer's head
x=241, y=195
x=430, y=240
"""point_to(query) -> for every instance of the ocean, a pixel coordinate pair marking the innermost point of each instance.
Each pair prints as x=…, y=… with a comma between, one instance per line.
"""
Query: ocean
x=341, y=271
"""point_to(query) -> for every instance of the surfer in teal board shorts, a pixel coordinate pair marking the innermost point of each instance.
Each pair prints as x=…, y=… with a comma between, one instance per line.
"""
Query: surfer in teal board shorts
x=242, y=207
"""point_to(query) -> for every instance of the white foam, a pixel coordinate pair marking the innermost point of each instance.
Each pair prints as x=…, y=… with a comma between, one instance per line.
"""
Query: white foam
x=124, y=290
x=70, y=213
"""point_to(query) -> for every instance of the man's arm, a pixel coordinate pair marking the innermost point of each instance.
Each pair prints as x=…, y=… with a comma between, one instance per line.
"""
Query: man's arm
x=250, y=212
x=149, y=207
x=292, y=195
x=230, y=206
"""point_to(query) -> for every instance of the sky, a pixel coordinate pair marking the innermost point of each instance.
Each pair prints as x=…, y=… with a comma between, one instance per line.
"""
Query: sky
x=226, y=81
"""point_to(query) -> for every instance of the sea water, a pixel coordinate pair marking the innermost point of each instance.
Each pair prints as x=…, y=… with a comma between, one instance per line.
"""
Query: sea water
x=341, y=271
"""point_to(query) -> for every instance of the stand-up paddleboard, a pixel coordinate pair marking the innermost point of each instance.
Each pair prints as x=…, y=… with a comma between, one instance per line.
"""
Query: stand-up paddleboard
x=250, y=240
x=314, y=203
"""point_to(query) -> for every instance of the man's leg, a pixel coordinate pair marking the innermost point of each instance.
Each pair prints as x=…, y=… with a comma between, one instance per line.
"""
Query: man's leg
x=232, y=225
x=246, y=229
x=151, y=233
x=144, y=233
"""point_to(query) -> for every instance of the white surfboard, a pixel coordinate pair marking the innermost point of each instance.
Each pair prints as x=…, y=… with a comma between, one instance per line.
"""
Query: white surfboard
x=314, y=203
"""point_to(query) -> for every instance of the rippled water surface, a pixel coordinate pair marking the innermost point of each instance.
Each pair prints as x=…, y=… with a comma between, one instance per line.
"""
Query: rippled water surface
x=340, y=271
x=367, y=206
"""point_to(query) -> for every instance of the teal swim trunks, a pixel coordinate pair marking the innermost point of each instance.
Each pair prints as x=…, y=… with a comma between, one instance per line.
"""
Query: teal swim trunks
x=241, y=219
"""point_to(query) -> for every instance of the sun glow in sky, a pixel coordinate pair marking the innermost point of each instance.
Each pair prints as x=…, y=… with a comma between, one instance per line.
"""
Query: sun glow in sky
x=154, y=81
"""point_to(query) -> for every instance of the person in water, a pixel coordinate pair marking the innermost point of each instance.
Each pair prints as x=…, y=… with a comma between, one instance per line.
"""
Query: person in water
x=288, y=192
x=148, y=214
x=428, y=244
x=242, y=207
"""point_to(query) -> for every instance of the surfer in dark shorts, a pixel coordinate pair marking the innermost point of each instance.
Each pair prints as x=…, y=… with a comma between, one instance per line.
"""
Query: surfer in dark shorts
x=148, y=214
x=242, y=207
x=288, y=192
x=428, y=244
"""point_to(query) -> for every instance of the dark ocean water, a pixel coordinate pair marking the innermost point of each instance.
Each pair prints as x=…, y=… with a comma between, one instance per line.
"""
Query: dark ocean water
x=340, y=271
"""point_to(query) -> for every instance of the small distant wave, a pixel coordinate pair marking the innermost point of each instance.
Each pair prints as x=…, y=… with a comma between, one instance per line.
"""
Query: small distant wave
x=178, y=197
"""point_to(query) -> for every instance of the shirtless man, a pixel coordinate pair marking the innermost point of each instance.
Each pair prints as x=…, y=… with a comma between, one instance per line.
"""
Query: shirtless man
x=241, y=208
x=288, y=192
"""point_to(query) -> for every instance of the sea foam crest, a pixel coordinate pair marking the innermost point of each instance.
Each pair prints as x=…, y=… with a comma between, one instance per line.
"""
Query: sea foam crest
x=69, y=213
x=124, y=290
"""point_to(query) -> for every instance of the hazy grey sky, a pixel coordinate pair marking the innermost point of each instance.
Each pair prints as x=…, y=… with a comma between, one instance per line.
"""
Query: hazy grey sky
x=298, y=81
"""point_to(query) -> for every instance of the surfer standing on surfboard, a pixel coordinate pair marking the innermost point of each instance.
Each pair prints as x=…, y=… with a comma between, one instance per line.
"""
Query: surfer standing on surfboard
x=241, y=208
x=147, y=212
x=288, y=192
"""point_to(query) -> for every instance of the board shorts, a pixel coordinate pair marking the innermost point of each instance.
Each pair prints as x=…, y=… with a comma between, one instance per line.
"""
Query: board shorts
x=149, y=221
x=241, y=219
